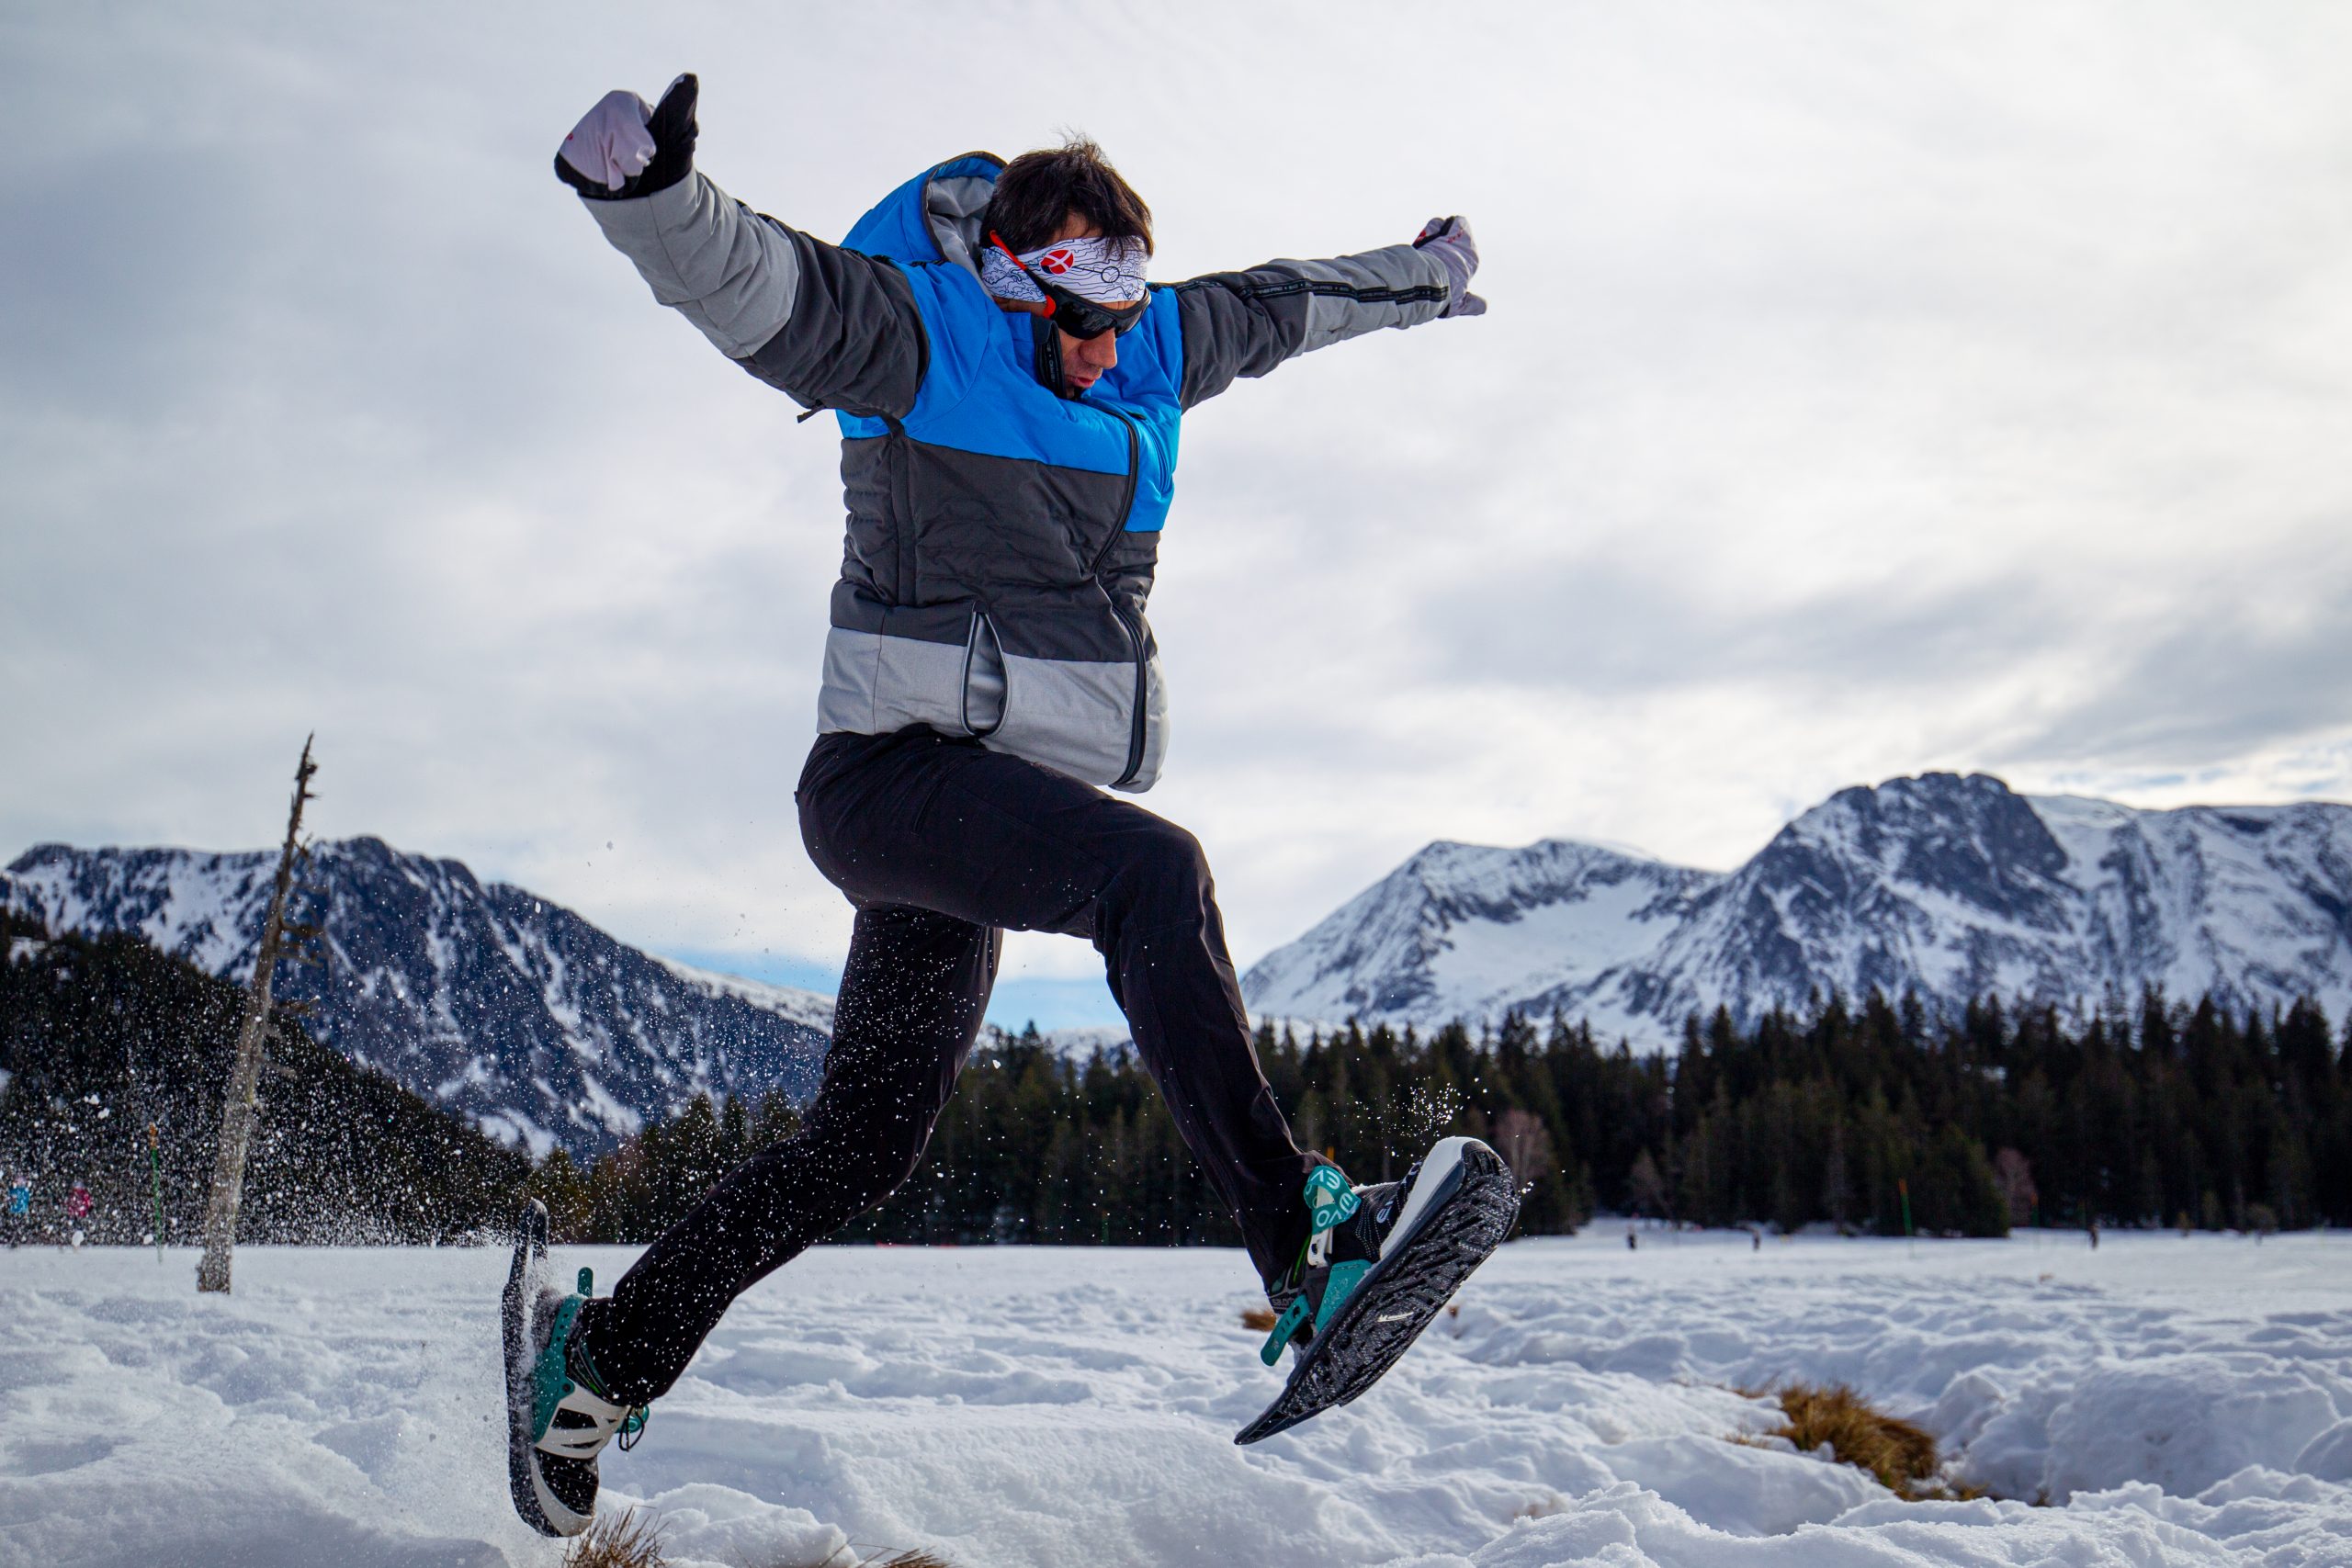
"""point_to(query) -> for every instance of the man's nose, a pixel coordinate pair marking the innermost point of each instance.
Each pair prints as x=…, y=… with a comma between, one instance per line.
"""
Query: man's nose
x=1103, y=350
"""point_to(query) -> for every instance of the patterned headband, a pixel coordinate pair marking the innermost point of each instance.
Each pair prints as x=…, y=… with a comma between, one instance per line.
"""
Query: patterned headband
x=1109, y=272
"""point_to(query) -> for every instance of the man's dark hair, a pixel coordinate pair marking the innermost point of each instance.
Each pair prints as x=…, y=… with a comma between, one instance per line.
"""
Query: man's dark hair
x=1038, y=190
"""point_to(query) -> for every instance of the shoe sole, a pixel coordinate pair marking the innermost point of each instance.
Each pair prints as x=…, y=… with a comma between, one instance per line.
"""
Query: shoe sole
x=514, y=1325
x=1459, y=1225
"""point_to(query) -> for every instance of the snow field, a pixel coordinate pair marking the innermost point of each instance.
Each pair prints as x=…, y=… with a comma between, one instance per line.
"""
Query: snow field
x=2182, y=1401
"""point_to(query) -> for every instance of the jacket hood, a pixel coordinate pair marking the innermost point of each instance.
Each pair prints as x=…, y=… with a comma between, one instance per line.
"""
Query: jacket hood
x=934, y=217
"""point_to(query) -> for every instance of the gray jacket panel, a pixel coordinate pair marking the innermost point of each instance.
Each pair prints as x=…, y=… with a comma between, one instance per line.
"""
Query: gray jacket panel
x=952, y=208
x=1245, y=324
x=722, y=266
x=855, y=341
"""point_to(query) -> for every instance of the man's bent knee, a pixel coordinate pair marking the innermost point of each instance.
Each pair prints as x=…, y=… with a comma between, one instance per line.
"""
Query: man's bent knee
x=1169, y=877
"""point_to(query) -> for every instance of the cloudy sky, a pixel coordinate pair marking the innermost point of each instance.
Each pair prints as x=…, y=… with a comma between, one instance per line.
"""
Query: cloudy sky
x=1866, y=390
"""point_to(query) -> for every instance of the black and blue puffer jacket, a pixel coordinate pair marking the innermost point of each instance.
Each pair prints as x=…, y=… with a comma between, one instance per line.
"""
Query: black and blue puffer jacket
x=1002, y=537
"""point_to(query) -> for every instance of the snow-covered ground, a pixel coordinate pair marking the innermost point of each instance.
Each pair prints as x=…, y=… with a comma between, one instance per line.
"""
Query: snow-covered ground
x=2178, y=1401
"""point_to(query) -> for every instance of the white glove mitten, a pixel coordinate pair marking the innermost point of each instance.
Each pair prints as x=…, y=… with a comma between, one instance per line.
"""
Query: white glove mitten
x=622, y=149
x=1448, y=239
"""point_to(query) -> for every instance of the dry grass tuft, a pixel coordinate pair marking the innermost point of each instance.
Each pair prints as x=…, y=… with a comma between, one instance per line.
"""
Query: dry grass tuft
x=1900, y=1454
x=616, y=1540
x=913, y=1558
x=632, y=1540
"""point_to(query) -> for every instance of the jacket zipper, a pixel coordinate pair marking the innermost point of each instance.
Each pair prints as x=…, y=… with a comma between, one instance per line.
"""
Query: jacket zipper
x=902, y=534
x=1126, y=502
x=1135, y=636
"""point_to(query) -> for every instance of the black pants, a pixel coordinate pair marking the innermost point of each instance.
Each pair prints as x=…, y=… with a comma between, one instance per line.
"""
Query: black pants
x=939, y=843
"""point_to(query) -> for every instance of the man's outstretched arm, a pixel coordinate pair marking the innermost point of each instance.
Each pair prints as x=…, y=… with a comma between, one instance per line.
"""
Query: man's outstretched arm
x=832, y=327
x=1245, y=324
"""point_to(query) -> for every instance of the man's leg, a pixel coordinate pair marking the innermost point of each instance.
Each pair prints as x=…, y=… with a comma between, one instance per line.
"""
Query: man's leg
x=918, y=819
x=913, y=995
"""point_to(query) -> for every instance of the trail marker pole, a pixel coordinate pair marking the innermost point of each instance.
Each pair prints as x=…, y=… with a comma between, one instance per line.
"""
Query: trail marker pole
x=1903, y=1186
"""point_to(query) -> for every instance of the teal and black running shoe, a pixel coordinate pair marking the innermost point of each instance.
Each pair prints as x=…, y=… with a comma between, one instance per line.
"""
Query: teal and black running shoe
x=559, y=1415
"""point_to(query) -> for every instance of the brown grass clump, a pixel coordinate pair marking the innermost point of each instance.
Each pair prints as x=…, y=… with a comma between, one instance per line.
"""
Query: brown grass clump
x=631, y=1541
x=616, y=1540
x=1900, y=1454
x=912, y=1558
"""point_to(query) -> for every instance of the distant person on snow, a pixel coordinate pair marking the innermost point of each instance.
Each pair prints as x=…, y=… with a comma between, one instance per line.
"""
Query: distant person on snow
x=1008, y=390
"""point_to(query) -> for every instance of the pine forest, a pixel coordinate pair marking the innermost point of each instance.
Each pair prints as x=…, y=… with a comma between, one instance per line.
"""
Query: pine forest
x=1873, y=1120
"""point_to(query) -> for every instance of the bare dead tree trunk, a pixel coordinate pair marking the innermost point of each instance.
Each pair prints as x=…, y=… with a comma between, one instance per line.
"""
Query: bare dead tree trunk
x=253, y=1034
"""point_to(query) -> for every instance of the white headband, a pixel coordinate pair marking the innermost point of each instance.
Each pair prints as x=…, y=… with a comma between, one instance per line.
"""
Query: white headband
x=1107, y=271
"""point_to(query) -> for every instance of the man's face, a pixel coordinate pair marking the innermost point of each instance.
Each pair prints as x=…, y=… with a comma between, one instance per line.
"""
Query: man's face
x=1083, y=359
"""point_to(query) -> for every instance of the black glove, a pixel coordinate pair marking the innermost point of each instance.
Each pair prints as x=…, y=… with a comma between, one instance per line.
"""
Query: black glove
x=621, y=148
x=1448, y=239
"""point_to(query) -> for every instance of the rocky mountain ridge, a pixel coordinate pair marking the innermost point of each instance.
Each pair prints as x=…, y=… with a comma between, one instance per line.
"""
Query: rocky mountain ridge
x=485, y=999
x=1945, y=886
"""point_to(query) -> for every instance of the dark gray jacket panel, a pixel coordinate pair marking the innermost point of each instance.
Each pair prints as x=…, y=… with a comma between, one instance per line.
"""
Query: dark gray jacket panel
x=1245, y=324
x=1006, y=522
x=854, y=340
x=856, y=609
x=931, y=524
x=1126, y=571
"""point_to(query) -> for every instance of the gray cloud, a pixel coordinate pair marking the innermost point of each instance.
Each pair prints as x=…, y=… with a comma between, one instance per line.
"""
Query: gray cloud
x=2211, y=686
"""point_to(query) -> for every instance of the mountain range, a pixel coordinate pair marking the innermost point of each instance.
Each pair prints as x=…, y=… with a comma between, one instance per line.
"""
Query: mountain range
x=520, y=1016
x=495, y=1004
x=1946, y=887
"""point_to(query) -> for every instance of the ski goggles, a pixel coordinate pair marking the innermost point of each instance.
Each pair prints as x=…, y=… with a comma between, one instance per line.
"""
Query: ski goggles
x=1071, y=312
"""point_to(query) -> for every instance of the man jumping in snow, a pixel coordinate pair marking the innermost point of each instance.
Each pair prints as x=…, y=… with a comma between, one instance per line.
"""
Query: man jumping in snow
x=1008, y=390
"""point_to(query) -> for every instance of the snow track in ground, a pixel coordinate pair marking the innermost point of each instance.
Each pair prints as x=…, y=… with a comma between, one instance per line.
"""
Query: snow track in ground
x=2184, y=1401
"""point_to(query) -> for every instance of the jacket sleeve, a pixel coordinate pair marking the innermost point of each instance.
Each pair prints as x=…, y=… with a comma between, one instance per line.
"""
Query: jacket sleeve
x=1245, y=324
x=833, y=328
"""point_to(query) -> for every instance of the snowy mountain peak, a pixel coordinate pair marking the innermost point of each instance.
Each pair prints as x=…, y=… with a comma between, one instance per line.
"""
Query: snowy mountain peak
x=1462, y=921
x=1945, y=885
x=1971, y=838
x=487, y=1000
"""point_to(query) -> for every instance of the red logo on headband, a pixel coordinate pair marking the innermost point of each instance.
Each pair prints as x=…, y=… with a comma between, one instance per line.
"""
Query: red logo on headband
x=1057, y=262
